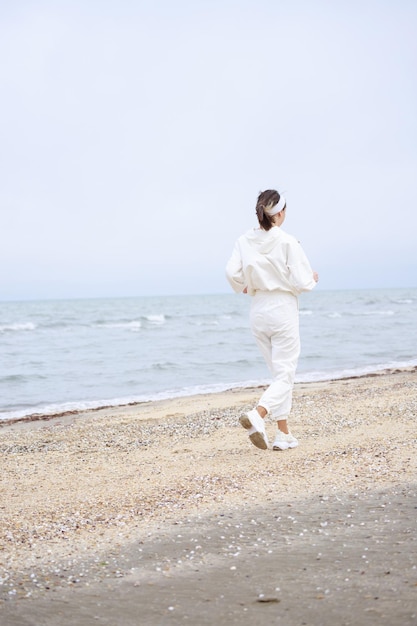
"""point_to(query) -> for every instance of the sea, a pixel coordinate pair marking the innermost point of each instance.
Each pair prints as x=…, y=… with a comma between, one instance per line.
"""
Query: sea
x=70, y=355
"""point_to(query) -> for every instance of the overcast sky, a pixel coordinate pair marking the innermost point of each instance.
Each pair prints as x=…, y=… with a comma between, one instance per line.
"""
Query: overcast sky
x=136, y=135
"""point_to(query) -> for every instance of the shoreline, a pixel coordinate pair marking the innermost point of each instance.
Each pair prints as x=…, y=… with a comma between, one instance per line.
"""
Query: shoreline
x=102, y=512
x=33, y=417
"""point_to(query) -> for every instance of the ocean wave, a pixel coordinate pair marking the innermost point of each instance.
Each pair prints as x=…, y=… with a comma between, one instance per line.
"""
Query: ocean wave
x=134, y=325
x=340, y=374
x=363, y=313
x=21, y=378
x=75, y=407
x=156, y=319
x=387, y=312
x=165, y=365
x=303, y=377
x=25, y=326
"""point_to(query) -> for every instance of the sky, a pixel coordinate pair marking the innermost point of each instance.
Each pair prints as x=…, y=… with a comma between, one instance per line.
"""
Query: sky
x=135, y=137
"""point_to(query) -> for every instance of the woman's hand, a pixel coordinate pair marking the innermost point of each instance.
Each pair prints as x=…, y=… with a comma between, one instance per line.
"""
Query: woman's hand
x=316, y=277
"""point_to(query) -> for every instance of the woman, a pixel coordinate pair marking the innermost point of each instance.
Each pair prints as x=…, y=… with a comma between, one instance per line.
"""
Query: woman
x=271, y=266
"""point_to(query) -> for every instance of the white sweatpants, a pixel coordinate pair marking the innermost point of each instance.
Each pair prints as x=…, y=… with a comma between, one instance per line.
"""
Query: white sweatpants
x=275, y=326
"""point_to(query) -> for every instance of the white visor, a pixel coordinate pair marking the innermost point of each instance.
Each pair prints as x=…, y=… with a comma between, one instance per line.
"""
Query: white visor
x=277, y=208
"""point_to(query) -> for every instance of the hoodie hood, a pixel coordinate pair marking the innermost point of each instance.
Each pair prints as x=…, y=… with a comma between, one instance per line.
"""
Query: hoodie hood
x=264, y=241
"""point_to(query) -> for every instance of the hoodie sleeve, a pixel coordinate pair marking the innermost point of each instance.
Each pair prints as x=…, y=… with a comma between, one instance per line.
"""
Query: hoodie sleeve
x=300, y=272
x=234, y=270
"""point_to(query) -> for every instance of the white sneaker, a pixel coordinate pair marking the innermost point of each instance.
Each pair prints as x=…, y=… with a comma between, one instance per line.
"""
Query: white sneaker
x=255, y=424
x=283, y=441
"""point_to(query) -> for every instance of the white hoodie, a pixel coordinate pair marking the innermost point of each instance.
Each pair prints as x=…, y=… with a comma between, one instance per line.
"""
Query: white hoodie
x=269, y=260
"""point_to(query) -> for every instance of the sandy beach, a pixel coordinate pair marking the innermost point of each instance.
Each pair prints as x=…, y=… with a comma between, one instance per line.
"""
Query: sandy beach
x=164, y=513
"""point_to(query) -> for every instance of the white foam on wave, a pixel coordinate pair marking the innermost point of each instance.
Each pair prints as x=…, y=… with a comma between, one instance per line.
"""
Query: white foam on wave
x=17, y=327
x=134, y=325
x=54, y=409
x=156, y=319
x=303, y=377
x=317, y=376
x=370, y=313
x=75, y=407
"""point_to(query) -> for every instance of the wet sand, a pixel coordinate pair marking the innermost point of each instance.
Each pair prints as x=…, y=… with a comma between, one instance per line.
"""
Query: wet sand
x=164, y=513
